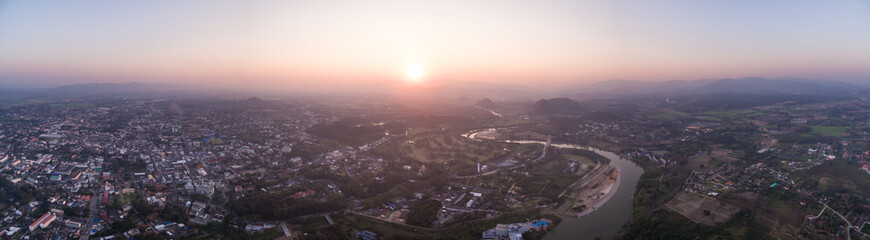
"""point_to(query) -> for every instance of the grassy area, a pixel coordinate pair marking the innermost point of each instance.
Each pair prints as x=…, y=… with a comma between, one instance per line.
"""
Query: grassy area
x=419, y=130
x=311, y=224
x=669, y=115
x=835, y=131
x=729, y=113
x=545, y=178
x=578, y=158
x=704, y=161
x=126, y=198
x=512, y=121
x=526, y=135
x=838, y=174
x=778, y=218
x=443, y=147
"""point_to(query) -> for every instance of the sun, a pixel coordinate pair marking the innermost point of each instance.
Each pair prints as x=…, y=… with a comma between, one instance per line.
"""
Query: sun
x=414, y=72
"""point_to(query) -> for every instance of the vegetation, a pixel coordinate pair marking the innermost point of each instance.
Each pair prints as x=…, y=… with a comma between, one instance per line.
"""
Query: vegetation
x=424, y=212
x=356, y=132
x=838, y=175
x=281, y=205
x=835, y=131
x=8, y=191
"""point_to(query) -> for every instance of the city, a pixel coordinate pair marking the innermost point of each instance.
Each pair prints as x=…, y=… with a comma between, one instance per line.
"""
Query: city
x=139, y=167
x=443, y=120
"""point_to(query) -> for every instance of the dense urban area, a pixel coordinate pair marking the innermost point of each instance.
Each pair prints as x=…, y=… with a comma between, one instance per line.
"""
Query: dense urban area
x=147, y=167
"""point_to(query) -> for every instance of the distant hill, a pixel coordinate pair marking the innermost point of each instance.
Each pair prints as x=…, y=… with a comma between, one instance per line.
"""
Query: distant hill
x=754, y=85
x=557, y=106
x=254, y=100
x=134, y=88
x=115, y=87
x=501, y=92
x=486, y=103
x=779, y=86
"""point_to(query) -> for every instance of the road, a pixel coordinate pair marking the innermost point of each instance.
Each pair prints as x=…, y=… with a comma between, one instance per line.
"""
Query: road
x=94, y=212
x=328, y=219
x=287, y=232
x=543, y=154
x=823, y=211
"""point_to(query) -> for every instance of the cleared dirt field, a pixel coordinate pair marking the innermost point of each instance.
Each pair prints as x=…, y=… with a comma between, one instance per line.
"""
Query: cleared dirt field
x=726, y=155
x=693, y=206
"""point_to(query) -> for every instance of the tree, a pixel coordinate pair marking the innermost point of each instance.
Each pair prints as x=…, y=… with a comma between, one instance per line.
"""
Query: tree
x=423, y=213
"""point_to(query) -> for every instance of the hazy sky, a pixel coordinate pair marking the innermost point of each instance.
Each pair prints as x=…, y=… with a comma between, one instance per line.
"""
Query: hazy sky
x=316, y=44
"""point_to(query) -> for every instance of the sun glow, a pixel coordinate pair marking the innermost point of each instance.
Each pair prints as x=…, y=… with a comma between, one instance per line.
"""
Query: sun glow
x=414, y=72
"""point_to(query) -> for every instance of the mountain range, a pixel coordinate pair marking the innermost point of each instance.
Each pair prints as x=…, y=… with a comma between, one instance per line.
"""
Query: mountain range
x=512, y=92
x=749, y=85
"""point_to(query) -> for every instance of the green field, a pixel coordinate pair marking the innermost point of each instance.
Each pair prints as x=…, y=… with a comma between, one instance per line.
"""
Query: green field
x=838, y=175
x=526, y=135
x=729, y=113
x=835, y=131
x=126, y=198
x=452, y=147
x=581, y=159
x=704, y=161
x=668, y=115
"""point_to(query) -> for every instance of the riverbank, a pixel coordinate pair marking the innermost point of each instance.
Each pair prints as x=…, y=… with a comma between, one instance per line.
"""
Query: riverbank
x=563, y=211
x=607, y=196
x=606, y=220
x=607, y=216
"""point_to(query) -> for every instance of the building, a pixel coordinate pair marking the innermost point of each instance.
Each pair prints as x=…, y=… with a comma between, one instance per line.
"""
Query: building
x=366, y=235
x=514, y=231
x=303, y=194
x=50, y=136
x=43, y=221
x=72, y=224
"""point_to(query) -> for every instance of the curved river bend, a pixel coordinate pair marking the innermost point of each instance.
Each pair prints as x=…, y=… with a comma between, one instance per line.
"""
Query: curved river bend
x=605, y=222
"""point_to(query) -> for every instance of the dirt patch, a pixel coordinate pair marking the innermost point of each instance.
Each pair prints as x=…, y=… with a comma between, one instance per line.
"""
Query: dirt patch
x=701, y=209
x=726, y=155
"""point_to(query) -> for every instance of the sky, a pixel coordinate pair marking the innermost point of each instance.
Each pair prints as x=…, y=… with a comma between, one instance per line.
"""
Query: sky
x=296, y=45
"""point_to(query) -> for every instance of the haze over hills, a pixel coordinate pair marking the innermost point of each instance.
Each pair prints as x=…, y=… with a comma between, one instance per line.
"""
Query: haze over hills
x=509, y=92
x=127, y=88
x=752, y=85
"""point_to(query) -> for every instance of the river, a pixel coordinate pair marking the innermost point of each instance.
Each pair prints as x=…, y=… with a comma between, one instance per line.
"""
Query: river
x=606, y=221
